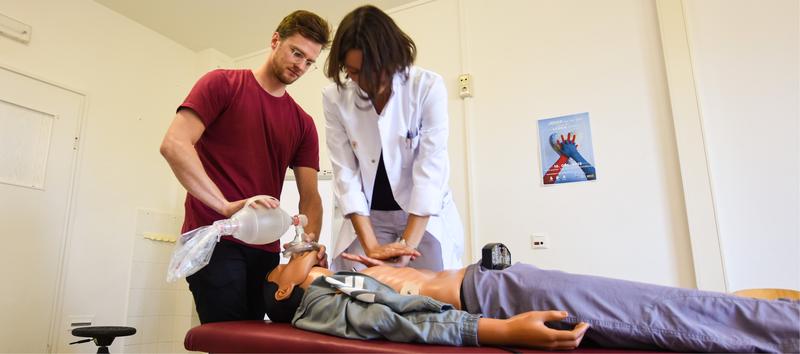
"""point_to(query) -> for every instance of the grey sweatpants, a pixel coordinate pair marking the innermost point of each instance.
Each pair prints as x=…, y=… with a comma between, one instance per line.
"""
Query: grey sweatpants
x=625, y=314
x=388, y=227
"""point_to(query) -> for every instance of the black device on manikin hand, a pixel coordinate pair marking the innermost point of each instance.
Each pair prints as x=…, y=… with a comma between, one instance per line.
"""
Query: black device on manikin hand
x=495, y=256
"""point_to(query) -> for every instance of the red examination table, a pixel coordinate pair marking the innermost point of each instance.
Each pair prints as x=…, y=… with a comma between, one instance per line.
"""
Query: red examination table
x=266, y=337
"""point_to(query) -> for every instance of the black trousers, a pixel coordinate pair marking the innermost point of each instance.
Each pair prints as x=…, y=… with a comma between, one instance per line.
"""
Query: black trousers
x=230, y=287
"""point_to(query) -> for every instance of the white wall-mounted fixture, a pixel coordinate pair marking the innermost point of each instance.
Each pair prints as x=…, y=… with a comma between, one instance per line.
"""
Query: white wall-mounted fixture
x=465, y=85
x=14, y=29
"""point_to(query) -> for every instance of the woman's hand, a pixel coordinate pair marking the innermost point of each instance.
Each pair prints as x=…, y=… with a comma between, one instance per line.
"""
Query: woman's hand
x=369, y=262
x=392, y=250
x=397, y=262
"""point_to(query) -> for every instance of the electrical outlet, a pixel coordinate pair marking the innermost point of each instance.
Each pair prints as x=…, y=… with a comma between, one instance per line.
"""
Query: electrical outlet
x=465, y=85
x=539, y=242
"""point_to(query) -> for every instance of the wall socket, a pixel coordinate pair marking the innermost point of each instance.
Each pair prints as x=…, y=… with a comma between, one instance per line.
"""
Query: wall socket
x=539, y=241
x=465, y=85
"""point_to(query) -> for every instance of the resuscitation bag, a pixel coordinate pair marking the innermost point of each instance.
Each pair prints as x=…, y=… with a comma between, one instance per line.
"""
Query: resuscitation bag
x=253, y=225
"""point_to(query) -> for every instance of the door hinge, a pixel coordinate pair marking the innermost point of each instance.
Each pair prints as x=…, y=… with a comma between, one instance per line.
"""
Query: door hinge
x=75, y=143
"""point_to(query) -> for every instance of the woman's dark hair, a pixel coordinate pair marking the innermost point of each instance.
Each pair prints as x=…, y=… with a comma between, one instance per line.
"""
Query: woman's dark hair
x=307, y=24
x=386, y=48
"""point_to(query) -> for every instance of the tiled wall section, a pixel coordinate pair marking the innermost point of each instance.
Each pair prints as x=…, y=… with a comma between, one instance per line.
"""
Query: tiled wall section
x=161, y=312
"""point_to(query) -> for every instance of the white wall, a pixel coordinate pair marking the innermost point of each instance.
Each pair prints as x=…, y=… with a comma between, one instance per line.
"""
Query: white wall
x=134, y=79
x=540, y=59
x=161, y=312
x=745, y=56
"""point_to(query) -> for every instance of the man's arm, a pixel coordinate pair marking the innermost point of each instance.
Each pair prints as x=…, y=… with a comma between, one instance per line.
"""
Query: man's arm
x=310, y=205
x=178, y=149
x=310, y=202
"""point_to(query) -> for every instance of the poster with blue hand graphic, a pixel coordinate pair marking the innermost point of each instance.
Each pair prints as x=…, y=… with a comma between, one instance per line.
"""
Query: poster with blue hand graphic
x=565, y=146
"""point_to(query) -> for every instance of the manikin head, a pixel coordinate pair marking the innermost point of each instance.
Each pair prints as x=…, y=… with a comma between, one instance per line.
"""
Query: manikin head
x=296, y=44
x=282, y=291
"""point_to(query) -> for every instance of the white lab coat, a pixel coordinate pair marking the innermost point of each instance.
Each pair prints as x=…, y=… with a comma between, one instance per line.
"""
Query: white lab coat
x=412, y=132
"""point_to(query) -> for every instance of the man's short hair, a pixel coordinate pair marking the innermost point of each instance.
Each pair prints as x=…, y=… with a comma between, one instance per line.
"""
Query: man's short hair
x=281, y=311
x=307, y=24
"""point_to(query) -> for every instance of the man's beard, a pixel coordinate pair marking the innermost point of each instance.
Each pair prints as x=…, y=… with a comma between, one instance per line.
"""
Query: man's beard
x=284, y=79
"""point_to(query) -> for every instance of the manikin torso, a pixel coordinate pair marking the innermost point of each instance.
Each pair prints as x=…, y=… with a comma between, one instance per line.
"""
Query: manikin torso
x=444, y=286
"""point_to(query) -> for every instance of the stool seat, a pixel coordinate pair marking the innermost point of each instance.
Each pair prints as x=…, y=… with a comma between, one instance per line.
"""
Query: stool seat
x=103, y=331
x=103, y=335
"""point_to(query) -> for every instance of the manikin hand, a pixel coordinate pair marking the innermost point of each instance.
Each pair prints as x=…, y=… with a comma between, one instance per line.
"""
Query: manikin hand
x=529, y=330
x=392, y=250
x=259, y=201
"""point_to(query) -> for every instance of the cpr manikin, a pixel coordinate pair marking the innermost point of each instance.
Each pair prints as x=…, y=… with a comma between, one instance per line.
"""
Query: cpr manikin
x=253, y=225
x=522, y=305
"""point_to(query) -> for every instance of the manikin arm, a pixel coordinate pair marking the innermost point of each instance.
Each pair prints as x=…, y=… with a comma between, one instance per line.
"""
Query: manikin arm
x=528, y=330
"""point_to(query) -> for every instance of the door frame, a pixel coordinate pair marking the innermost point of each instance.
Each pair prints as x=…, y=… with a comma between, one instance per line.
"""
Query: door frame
x=68, y=229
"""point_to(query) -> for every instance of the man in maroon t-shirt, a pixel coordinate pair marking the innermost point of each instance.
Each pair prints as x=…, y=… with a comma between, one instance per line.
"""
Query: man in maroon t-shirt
x=233, y=138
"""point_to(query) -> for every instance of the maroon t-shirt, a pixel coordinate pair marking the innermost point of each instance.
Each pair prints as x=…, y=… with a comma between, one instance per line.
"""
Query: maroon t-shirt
x=250, y=139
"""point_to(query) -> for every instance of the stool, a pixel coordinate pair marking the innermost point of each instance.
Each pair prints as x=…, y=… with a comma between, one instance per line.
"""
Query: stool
x=103, y=336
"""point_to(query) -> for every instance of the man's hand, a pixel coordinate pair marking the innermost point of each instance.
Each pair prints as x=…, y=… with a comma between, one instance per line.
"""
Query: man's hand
x=392, y=250
x=259, y=201
x=322, y=257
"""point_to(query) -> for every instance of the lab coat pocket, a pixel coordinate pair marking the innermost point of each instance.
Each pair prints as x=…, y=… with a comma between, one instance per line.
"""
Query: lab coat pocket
x=410, y=144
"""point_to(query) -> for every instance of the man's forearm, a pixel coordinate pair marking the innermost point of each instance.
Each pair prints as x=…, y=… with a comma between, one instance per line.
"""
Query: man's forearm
x=186, y=165
x=311, y=207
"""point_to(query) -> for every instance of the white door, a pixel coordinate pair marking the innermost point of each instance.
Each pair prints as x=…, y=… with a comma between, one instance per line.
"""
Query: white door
x=39, y=125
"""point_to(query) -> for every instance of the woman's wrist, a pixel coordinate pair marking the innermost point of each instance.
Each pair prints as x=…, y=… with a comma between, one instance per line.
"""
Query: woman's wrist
x=403, y=242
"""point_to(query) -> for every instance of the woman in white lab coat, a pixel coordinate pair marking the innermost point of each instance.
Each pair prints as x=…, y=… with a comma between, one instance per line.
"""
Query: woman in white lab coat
x=387, y=130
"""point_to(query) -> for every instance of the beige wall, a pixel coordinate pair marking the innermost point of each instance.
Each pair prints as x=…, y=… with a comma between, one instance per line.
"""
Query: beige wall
x=133, y=79
x=540, y=59
x=746, y=63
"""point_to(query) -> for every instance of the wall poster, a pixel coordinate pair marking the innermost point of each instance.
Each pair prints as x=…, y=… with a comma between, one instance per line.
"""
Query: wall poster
x=565, y=146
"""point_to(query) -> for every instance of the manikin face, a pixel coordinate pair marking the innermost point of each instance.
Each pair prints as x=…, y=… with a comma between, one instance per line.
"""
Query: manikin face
x=293, y=56
x=292, y=274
